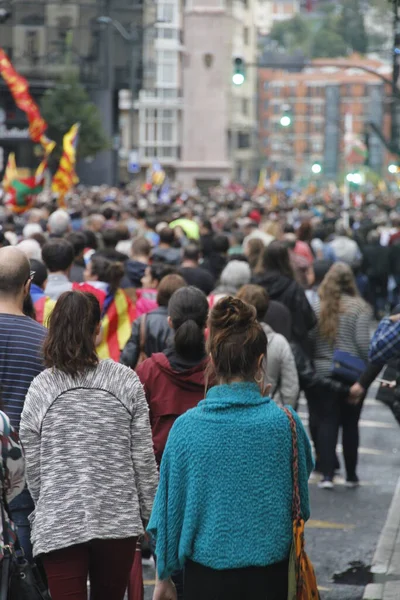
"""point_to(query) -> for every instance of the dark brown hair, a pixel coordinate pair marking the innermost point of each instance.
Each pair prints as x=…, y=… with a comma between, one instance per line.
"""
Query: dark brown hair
x=277, y=258
x=188, y=310
x=70, y=344
x=236, y=340
x=107, y=271
x=256, y=296
x=167, y=286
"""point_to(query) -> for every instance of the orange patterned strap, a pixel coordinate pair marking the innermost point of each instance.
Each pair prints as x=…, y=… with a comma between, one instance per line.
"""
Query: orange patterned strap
x=295, y=465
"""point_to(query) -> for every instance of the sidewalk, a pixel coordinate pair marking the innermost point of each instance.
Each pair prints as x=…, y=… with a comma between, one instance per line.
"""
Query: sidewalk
x=386, y=563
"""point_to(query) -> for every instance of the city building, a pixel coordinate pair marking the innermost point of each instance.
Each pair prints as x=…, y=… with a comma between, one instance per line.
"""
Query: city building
x=267, y=12
x=316, y=102
x=189, y=116
x=47, y=38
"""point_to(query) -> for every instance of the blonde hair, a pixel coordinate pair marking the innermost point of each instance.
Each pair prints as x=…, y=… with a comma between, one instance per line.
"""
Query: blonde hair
x=338, y=281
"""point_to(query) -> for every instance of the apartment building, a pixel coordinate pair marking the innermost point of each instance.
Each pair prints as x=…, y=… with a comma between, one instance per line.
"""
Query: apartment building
x=317, y=100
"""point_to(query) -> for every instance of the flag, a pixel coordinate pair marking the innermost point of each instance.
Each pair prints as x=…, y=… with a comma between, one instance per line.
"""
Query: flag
x=48, y=146
x=65, y=177
x=262, y=180
x=43, y=309
x=22, y=193
x=355, y=149
x=116, y=324
x=157, y=174
x=19, y=89
x=10, y=173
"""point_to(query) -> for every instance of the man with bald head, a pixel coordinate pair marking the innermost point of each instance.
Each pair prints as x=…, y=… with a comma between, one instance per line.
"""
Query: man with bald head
x=21, y=340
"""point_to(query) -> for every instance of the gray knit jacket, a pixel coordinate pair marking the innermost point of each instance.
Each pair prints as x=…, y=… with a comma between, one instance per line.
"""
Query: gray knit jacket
x=90, y=464
x=280, y=368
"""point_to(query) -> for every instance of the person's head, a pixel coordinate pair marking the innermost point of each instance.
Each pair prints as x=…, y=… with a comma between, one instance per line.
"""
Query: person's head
x=206, y=227
x=111, y=238
x=73, y=327
x=154, y=273
x=15, y=276
x=31, y=248
x=167, y=236
x=341, y=229
x=235, y=274
x=220, y=244
x=59, y=223
x=95, y=223
x=256, y=296
x=338, y=282
x=58, y=255
x=187, y=315
x=39, y=273
x=237, y=342
x=78, y=241
x=191, y=253
x=167, y=287
x=253, y=250
x=31, y=229
x=374, y=237
x=141, y=249
x=90, y=239
x=305, y=232
x=277, y=258
x=100, y=268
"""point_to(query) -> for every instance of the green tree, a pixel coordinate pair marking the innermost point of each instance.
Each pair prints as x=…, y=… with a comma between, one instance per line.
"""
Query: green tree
x=351, y=26
x=68, y=103
x=293, y=34
x=327, y=43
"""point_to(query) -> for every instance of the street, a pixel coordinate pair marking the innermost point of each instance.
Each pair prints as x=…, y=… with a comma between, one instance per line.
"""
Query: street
x=346, y=523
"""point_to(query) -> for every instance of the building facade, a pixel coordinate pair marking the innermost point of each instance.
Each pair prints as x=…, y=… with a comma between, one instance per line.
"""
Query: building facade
x=317, y=101
x=189, y=116
x=47, y=38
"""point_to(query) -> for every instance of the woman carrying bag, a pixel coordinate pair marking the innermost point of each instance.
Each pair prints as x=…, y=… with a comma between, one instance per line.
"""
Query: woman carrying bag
x=223, y=509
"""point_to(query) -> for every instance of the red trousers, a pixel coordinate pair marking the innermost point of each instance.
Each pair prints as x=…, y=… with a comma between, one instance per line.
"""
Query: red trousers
x=107, y=562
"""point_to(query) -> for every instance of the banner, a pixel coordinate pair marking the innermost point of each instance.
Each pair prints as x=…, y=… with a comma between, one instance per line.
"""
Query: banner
x=65, y=177
x=19, y=89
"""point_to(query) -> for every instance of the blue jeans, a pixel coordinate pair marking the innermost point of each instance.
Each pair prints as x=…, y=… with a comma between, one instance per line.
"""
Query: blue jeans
x=20, y=509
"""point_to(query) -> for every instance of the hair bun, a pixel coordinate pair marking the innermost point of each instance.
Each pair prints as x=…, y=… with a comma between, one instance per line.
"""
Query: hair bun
x=232, y=313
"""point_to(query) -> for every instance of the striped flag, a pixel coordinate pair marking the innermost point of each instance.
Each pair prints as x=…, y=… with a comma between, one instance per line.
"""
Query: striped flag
x=11, y=173
x=65, y=177
x=43, y=309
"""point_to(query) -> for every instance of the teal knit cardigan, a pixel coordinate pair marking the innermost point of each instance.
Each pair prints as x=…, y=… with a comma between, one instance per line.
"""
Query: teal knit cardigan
x=225, y=494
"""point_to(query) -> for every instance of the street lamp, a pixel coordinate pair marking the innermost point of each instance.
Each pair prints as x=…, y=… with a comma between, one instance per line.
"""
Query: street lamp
x=393, y=169
x=285, y=121
x=316, y=168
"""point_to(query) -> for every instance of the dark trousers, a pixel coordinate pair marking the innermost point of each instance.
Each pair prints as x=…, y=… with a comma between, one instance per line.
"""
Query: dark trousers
x=251, y=583
x=20, y=509
x=107, y=562
x=329, y=411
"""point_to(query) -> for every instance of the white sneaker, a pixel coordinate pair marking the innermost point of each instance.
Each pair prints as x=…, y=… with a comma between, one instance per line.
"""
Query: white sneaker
x=352, y=483
x=326, y=484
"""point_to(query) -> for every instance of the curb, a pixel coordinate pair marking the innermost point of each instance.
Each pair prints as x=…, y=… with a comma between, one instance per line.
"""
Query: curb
x=386, y=563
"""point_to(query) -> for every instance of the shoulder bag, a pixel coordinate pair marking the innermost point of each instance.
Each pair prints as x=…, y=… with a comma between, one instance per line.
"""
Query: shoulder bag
x=347, y=367
x=302, y=583
x=19, y=580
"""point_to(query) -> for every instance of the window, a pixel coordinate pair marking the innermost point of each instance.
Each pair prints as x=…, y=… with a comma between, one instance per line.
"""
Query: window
x=166, y=11
x=266, y=104
x=159, y=131
x=245, y=106
x=276, y=91
x=246, y=36
x=243, y=140
x=165, y=33
x=277, y=109
x=318, y=127
x=317, y=146
x=266, y=85
x=167, y=68
x=32, y=43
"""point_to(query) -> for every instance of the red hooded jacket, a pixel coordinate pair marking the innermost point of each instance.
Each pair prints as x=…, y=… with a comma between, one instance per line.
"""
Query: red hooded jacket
x=169, y=394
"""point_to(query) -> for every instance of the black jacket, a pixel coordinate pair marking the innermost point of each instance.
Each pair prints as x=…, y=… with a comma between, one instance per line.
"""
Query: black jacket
x=134, y=271
x=291, y=294
x=158, y=336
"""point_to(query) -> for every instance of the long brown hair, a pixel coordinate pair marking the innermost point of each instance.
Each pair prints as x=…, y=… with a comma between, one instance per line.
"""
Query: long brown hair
x=70, y=344
x=236, y=340
x=338, y=281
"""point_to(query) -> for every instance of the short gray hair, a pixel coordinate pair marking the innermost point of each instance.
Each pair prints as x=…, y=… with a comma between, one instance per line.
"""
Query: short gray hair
x=59, y=222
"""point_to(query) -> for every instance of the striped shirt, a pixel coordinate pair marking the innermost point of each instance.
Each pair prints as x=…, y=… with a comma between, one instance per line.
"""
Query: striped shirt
x=353, y=334
x=21, y=341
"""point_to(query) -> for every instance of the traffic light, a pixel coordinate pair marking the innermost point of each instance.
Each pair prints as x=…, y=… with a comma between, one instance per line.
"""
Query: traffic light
x=238, y=77
x=286, y=118
x=393, y=169
x=316, y=168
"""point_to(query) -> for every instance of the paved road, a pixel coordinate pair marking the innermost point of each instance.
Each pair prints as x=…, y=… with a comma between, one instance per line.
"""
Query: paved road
x=346, y=524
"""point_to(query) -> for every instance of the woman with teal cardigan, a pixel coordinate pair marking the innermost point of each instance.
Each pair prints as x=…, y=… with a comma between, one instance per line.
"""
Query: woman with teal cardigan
x=223, y=509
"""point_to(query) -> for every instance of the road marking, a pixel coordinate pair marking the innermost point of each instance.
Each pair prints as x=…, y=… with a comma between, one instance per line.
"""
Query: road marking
x=316, y=524
x=338, y=481
x=324, y=589
x=362, y=450
x=149, y=582
x=367, y=402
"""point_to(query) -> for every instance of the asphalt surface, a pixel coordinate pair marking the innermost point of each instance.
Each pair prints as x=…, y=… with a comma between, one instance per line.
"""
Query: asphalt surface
x=346, y=523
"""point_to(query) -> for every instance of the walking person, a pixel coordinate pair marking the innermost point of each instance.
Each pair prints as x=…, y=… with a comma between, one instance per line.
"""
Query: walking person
x=233, y=448
x=21, y=340
x=344, y=321
x=89, y=458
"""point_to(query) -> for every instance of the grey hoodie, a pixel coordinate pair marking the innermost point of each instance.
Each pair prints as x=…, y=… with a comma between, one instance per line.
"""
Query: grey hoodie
x=280, y=368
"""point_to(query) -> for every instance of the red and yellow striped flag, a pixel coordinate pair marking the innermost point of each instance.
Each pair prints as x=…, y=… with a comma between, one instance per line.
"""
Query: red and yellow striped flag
x=43, y=309
x=65, y=177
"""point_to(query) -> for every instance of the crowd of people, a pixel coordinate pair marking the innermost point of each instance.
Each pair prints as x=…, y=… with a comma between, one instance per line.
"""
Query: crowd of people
x=146, y=351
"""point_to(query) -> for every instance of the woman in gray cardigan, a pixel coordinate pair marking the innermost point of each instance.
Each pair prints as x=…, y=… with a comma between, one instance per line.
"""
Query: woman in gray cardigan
x=89, y=458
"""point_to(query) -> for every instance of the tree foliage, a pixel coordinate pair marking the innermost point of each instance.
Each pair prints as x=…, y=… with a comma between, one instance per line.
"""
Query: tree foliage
x=340, y=31
x=68, y=103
